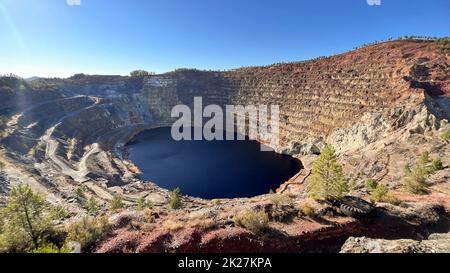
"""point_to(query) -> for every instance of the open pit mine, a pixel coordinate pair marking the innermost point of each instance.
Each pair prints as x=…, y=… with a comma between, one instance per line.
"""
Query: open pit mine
x=383, y=108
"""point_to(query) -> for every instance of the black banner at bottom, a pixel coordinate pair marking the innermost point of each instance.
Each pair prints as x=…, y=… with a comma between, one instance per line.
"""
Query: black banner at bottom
x=218, y=262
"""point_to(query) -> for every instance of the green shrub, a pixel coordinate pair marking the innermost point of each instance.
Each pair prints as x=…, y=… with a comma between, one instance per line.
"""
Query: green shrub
x=392, y=200
x=116, y=203
x=327, y=180
x=142, y=204
x=50, y=248
x=254, y=221
x=371, y=184
x=424, y=158
x=415, y=181
x=60, y=212
x=446, y=135
x=81, y=197
x=308, y=210
x=175, y=199
x=88, y=231
x=92, y=206
x=150, y=216
x=436, y=165
x=25, y=222
x=379, y=193
x=416, y=176
x=279, y=199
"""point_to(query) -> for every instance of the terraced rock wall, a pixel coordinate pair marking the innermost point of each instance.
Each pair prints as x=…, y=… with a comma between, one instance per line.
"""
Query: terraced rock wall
x=316, y=97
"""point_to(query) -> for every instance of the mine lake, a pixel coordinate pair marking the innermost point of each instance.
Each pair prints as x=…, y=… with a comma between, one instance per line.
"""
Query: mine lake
x=209, y=169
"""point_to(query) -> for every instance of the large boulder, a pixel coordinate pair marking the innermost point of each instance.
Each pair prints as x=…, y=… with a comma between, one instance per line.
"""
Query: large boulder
x=436, y=243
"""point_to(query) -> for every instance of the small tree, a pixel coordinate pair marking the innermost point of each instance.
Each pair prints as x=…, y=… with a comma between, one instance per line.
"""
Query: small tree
x=327, y=181
x=142, y=204
x=25, y=221
x=175, y=199
x=415, y=182
x=371, y=184
x=92, y=206
x=424, y=158
x=436, y=165
x=88, y=231
x=81, y=197
x=116, y=203
x=380, y=193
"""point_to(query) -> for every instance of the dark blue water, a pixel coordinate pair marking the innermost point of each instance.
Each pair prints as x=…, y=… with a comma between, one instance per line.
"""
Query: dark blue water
x=209, y=169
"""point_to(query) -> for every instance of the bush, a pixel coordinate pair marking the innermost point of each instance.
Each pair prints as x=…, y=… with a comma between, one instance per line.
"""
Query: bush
x=446, y=135
x=308, y=210
x=424, y=158
x=175, y=199
x=371, y=184
x=256, y=222
x=392, y=200
x=379, y=193
x=279, y=199
x=60, y=212
x=81, y=197
x=25, y=222
x=142, y=204
x=88, y=231
x=415, y=181
x=116, y=203
x=415, y=177
x=50, y=248
x=150, y=216
x=92, y=206
x=327, y=181
x=436, y=165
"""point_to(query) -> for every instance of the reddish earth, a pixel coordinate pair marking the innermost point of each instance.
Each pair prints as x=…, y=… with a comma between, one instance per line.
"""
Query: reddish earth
x=322, y=234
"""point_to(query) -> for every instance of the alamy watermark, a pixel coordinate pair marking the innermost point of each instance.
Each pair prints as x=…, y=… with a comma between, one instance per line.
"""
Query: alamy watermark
x=374, y=2
x=235, y=122
x=73, y=2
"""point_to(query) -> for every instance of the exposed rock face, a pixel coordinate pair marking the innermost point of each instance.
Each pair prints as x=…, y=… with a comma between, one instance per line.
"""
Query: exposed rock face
x=315, y=97
x=436, y=243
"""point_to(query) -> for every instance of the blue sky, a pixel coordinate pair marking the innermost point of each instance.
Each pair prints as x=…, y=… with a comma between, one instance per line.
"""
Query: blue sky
x=52, y=38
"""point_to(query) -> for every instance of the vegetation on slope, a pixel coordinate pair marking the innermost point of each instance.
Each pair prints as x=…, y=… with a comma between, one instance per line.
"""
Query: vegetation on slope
x=27, y=222
x=415, y=180
x=328, y=181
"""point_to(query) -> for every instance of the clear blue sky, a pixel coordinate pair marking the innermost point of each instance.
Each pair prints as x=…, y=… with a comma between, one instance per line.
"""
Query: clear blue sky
x=52, y=38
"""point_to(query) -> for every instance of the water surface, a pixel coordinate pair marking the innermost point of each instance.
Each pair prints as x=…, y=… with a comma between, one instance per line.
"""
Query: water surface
x=209, y=169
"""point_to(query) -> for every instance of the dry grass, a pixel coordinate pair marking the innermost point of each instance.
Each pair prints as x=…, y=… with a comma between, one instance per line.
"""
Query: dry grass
x=279, y=199
x=254, y=221
x=308, y=210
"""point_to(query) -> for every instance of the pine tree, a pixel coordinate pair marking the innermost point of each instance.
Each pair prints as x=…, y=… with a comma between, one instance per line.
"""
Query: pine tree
x=116, y=203
x=327, y=181
x=24, y=221
x=93, y=206
x=175, y=199
x=142, y=204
